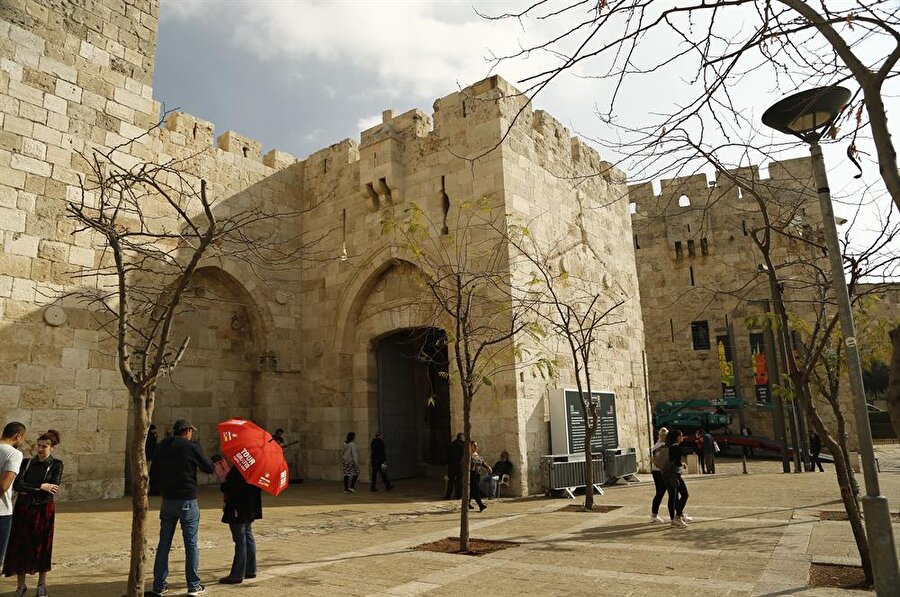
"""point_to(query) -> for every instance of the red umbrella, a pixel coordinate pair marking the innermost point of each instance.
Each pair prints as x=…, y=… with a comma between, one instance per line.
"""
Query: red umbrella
x=251, y=449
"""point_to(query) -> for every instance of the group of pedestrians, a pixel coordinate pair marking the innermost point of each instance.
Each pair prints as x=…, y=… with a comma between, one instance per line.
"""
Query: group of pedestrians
x=666, y=467
x=350, y=463
x=706, y=448
x=26, y=528
x=175, y=464
x=478, y=472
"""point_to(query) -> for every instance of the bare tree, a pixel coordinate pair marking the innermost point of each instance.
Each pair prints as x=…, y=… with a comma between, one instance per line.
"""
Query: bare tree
x=466, y=271
x=806, y=317
x=576, y=310
x=723, y=51
x=152, y=224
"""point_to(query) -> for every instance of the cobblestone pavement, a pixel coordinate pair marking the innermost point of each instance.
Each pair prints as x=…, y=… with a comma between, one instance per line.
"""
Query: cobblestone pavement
x=751, y=535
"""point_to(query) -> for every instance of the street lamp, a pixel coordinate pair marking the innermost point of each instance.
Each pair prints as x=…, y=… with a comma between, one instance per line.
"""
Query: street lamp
x=808, y=115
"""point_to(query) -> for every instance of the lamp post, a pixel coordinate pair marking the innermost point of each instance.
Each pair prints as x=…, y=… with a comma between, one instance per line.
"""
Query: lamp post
x=808, y=115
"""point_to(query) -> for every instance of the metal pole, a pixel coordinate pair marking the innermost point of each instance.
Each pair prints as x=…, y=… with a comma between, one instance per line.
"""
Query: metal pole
x=777, y=404
x=875, y=506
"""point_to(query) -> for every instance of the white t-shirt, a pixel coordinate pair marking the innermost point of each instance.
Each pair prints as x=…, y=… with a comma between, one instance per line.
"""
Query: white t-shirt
x=10, y=460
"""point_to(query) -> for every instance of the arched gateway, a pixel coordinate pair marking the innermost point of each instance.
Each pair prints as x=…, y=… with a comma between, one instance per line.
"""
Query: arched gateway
x=387, y=330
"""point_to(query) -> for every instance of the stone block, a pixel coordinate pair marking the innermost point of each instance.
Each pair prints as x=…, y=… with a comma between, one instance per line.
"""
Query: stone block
x=21, y=244
x=239, y=145
x=75, y=358
x=9, y=396
x=56, y=104
x=30, y=165
x=68, y=91
x=12, y=220
x=81, y=256
x=71, y=397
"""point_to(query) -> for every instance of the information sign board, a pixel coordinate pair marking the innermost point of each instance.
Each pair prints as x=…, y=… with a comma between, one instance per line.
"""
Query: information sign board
x=567, y=423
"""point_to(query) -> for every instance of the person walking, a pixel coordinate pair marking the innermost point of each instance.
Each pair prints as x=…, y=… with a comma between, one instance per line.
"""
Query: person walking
x=454, y=466
x=709, y=452
x=350, y=463
x=176, y=462
x=243, y=506
x=379, y=462
x=701, y=452
x=150, y=444
x=678, y=493
x=815, y=446
x=476, y=464
x=658, y=481
x=31, y=537
x=278, y=438
x=10, y=465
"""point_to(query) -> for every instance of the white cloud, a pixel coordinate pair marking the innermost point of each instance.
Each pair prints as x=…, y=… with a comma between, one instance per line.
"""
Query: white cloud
x=416, y=50
x=367, y=122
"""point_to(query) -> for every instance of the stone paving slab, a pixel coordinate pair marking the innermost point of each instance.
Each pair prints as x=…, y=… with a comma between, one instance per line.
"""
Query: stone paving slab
x=752, y=535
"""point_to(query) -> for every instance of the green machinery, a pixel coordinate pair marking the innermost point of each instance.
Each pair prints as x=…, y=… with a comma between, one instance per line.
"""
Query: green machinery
x=696, y=413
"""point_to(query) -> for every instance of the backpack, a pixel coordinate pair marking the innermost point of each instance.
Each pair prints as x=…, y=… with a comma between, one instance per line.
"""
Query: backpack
x=661, y=458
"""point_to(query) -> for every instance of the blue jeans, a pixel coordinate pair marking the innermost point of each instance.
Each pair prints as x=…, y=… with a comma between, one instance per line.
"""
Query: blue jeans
x=5, y=528
x=244, y=563
x=170, y=514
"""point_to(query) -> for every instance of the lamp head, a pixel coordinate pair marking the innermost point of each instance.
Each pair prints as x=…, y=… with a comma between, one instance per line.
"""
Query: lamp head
x=808, y=113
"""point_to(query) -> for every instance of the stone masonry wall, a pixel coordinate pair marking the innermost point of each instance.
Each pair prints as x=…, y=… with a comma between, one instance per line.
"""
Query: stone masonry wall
x=291, y=347
x=74, y=77
x=697, y=263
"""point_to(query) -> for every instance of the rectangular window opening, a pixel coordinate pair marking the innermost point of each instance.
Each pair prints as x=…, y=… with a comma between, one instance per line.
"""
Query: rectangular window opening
x=700, y=335
x=744, y=226
x=704, y=246
x=678, y=253
x=692, y=274
x=691, y=251
x=636, y=245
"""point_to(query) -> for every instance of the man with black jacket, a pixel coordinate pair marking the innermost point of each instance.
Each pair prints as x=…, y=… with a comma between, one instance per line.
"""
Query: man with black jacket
x=454, y=460
x=175, y=466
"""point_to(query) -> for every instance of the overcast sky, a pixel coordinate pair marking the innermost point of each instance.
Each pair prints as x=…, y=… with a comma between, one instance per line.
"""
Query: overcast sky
x=301, y=75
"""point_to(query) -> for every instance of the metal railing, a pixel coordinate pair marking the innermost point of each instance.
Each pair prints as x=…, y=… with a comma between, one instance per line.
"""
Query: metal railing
x=565, y=472
x=620, y=462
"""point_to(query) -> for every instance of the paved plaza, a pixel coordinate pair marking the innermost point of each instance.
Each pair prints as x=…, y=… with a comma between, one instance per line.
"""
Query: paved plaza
x=751, y=535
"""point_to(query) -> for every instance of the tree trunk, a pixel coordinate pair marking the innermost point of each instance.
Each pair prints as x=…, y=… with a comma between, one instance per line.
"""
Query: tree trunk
x=139, y=501
x=893, y=390
x=464, y=468
x=851, y=505
x=846, y=482
x=588, y=466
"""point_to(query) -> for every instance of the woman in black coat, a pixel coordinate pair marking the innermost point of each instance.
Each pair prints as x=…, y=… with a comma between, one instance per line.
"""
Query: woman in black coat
x=243, y=505
x=30, y=548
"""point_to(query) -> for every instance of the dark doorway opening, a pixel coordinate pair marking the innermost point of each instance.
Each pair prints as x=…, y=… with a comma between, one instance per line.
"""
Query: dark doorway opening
x=414, y=399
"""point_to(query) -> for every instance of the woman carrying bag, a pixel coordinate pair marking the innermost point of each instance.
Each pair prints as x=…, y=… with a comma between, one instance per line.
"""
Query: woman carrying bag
x=243, y=506
x=31, y=538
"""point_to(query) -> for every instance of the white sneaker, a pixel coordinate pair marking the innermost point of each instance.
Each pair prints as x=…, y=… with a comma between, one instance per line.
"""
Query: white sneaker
x=686, y=518
x=679, y=523
x=656, y=518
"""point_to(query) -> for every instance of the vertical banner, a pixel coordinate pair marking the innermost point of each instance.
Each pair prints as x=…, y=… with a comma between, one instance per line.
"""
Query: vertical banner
x=726, y=367
x=760, y=368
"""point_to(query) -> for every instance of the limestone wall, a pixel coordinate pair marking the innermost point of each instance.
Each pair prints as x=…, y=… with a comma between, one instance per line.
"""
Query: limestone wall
x=289, y=346
x=576, y=208
x=75, y=77
x=697, y=263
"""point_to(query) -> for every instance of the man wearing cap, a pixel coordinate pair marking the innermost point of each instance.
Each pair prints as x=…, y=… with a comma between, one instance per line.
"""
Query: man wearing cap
x=175, y=466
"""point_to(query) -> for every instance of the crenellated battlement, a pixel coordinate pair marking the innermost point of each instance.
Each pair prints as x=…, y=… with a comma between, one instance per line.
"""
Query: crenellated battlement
x=190, y=131
x=723, y=193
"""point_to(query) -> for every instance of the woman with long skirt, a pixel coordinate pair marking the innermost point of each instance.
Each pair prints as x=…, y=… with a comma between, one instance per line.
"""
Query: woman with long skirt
x=30, y=548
